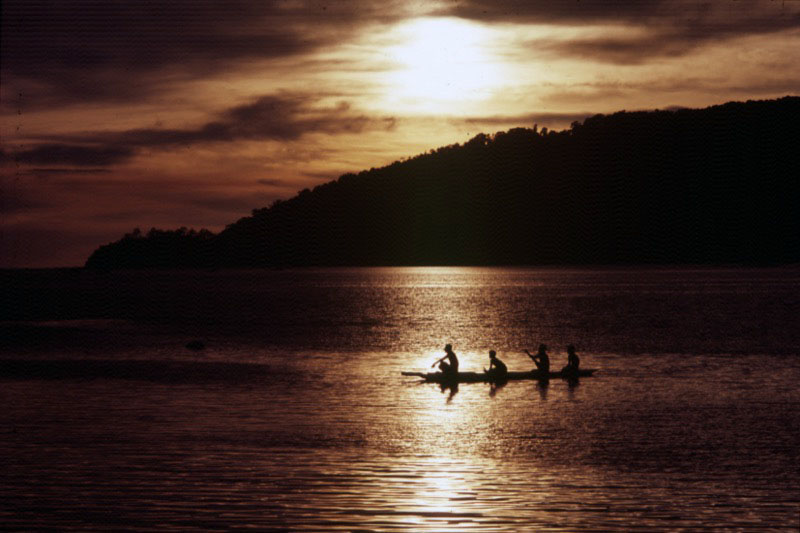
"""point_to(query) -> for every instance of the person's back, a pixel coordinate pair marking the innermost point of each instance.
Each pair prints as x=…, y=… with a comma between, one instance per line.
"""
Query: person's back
x=497, y=367
x=453, y=360
x=573, y=362
x=544, y=363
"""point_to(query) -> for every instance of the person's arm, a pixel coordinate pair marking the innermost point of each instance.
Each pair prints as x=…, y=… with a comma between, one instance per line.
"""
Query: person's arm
x=437, y=362
x=531, y=355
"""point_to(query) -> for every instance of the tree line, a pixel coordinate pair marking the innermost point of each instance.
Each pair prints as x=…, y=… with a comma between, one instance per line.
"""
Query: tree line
x=699, y=186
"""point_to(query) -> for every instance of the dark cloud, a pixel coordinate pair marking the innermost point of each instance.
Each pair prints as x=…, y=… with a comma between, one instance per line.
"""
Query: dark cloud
x=72, y=154
x=628, y=51
x=77, y=51
x=272, y=182
x=46, y=171
x=527, y=120
x=546, y=11
x=274, y=117
x=88, y=50
x=327, y=176
x=669, y=28
x=202, y=200
x=745, y=16
x=233, y=205
x=91, y=34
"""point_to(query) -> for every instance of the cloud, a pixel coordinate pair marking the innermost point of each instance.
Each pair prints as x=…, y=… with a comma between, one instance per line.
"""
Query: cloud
x=232, y=205
x=620, y=51
x=71, y=154
x=324, y=175
x=528, y=120
x=46, y=171
x=546, y=11
x=273, y=117
x=632, y=50
x=75, y=51
x=746, y=16
x=79, y=51
x=272, y=182
x=667, y=28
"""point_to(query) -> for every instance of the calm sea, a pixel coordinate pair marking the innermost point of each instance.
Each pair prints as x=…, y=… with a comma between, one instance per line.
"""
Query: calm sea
x=294, y=417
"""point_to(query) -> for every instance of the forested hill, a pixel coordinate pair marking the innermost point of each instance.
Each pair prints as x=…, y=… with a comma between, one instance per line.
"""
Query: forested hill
x=715, y=185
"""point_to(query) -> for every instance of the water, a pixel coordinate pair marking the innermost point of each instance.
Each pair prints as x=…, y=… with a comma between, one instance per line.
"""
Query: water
x=295, y=416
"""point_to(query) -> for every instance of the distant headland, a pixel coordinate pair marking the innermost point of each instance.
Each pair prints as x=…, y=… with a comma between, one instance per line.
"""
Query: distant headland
x=699, y=186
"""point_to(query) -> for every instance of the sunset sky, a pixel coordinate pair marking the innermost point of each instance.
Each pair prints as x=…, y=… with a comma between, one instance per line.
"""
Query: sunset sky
x=117, y=115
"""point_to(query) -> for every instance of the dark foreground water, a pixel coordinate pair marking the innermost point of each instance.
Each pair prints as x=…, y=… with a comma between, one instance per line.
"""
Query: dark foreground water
x=295, y=416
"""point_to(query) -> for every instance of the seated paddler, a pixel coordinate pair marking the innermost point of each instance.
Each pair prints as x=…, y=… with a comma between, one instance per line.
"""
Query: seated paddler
x=541, y=359
x=497, y=368
x=573, y=362
x=451, y=366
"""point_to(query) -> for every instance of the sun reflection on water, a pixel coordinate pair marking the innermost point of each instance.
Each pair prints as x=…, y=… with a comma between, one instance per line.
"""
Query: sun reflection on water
x=339, y=440
x=422, y=309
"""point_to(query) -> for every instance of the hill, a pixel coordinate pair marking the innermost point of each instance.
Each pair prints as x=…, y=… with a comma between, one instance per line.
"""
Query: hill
x=705, y=186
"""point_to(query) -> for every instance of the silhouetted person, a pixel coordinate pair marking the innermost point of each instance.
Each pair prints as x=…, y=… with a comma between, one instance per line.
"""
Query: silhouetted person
x=573, y=362
x=451, y=367
x=541, y=359
x=497, y=368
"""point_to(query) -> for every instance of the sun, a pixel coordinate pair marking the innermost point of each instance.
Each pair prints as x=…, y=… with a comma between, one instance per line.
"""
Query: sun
x=441, y=64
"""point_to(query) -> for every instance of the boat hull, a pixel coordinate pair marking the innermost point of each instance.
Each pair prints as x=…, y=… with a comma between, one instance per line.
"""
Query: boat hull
x=476, y=377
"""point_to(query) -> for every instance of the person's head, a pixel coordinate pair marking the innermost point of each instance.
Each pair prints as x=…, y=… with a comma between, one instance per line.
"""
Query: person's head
x=492, y=354
x=448, y=348
x=542, y=348
x=571, y=349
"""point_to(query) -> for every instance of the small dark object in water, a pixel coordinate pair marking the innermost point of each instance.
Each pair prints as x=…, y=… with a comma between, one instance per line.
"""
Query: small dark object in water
x=195, y=345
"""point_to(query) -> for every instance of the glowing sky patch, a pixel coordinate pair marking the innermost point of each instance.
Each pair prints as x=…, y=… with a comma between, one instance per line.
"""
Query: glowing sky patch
x=442, y=65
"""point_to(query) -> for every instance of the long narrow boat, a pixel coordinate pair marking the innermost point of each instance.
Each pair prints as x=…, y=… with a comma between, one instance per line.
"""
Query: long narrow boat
x=475, y=377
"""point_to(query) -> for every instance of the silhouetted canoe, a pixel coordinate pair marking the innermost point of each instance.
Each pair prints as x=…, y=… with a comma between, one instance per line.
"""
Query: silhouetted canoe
x=475, y=377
